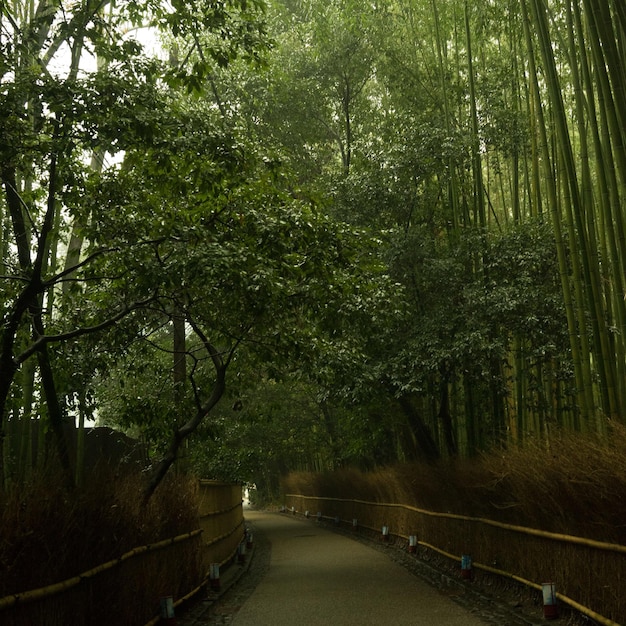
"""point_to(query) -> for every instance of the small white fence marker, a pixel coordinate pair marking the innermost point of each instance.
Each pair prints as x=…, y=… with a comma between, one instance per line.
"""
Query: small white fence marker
x=167, y=611
x=214, y=576
x=466, y=567
x=550, y=606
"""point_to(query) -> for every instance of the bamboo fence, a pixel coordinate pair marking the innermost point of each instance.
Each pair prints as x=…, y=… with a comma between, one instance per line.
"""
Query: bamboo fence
x=590, y=574
x=127, y=590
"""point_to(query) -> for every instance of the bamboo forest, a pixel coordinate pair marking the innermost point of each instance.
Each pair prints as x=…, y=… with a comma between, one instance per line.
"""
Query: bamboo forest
x=309, y=234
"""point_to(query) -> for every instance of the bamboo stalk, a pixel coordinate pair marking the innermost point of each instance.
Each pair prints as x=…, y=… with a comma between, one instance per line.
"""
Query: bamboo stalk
x=611, y=224
x=479, y=195
x=581, y=373
x=605, y=356
x=573, y=203
x=453, y=195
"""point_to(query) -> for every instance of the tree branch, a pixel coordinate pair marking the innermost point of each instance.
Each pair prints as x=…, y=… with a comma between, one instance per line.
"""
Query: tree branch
x=203, y=409
x=78, y=332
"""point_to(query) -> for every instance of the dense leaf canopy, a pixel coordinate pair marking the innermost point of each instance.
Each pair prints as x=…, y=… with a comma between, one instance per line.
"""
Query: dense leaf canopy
x=307, y=234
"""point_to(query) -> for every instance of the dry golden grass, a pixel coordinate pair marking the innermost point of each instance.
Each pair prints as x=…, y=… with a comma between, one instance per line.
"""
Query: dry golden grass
x=49, y=535
x=576, y=484
x=573, y=485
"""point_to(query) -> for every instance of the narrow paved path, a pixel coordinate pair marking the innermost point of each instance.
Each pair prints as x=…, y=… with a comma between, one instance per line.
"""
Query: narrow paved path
x=316, y=577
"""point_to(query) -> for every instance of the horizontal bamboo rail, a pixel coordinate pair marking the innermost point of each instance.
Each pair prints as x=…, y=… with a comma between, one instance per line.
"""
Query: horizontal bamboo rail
x=222, y=511
x=528, y=583
x=240, y=526
x=50, y=590
x=571, y=539
x=85, y=599
x=589, y=543
x=154, y=621
x=230, y=533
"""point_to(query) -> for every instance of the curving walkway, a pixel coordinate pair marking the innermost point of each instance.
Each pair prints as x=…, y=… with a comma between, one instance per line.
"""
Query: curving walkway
x=316, y=577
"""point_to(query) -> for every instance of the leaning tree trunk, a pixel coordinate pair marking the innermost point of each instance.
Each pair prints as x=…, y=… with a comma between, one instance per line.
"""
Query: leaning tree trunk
x=181, y=433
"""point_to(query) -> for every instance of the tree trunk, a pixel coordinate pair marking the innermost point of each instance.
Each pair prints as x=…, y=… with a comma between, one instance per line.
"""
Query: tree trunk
x=445, y=418
x=203, y=409
x=425, y=442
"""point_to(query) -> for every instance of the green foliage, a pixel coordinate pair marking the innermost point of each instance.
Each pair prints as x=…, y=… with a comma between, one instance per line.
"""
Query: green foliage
x=308, y=187
x=476, y=315
x=129, y=246
x=266, y=427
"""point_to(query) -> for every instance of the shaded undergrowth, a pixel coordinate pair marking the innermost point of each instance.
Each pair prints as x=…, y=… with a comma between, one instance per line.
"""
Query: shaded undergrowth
x=573, y=484
x=50, y=534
